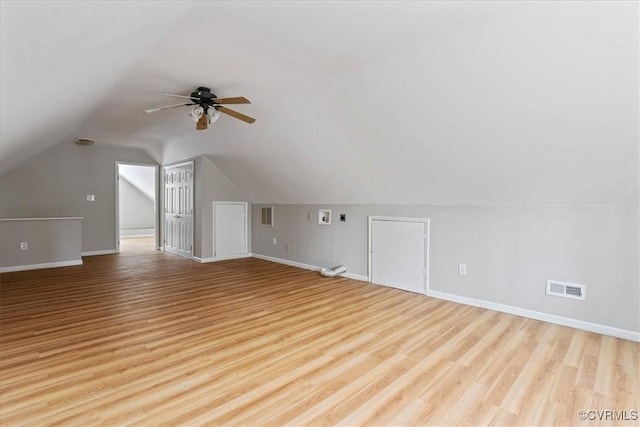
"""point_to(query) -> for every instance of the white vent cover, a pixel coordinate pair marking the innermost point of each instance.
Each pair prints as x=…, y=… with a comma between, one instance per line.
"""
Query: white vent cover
x=564, y=289
x=266, y=216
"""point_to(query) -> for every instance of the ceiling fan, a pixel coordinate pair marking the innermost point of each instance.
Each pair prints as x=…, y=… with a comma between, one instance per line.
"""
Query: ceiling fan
x=207, y=107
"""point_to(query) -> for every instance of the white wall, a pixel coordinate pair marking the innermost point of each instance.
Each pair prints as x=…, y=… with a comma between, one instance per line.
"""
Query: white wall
x=136, y=209
x=140, y=176
x=137, y=196
x=510, y=252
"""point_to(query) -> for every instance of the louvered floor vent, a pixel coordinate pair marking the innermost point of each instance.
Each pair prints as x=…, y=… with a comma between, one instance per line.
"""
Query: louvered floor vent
x=564, y=289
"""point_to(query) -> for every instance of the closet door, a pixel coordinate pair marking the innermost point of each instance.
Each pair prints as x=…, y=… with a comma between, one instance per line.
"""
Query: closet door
x=178, y=209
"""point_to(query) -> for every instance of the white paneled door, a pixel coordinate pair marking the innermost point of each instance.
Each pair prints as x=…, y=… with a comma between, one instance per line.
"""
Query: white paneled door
x=229, y=229
x=178, y=209
x=397, y=253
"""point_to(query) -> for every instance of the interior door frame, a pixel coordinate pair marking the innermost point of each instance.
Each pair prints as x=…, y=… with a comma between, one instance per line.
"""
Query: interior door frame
x=156, y=201
x=161, y=242
x=246, y=230
x=427, y=239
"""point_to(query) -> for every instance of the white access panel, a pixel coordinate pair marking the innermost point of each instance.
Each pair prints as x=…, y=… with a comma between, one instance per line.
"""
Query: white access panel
x=398, y=254
x=229, y=229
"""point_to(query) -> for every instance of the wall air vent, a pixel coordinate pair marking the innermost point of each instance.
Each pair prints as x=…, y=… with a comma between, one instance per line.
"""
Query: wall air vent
x=564, y=289
x=266, y=216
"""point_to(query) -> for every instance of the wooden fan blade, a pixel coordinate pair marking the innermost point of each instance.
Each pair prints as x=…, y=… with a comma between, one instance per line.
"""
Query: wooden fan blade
x=202, y=122
x=235, y=114
x=179, y=96
x=153, y=110
x=236, y=100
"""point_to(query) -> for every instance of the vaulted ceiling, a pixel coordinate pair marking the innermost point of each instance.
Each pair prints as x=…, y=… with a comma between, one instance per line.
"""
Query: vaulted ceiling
x=356, y=102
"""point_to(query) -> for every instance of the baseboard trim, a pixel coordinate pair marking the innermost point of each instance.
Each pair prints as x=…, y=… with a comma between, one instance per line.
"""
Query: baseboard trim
x=353, y=276
x=287, y=262
x=40, y=266
x=308, y=266
x=222, y=258
x=104, y=252
x=537, y=315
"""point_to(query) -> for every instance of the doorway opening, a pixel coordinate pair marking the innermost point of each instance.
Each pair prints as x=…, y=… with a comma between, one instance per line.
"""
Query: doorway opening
x=136, y=207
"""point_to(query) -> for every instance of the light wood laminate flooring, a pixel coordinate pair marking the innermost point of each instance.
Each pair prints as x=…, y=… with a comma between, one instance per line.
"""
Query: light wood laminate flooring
x=151, y=339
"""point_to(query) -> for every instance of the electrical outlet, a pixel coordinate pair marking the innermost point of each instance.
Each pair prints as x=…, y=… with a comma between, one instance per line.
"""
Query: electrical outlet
x=91, y=198
x=275, y=241
x=24, y=246
x=462, y=269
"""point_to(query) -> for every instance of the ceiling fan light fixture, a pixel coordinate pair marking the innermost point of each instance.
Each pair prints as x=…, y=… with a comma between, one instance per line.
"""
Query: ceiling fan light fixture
x=213, y=114
x=196, y=113
x=208, y=107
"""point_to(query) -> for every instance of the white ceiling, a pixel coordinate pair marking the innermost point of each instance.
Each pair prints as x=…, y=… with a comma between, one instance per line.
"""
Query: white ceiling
x=356, y=102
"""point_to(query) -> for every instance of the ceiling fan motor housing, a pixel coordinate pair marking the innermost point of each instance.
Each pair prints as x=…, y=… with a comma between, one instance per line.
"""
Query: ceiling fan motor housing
x=205, y=96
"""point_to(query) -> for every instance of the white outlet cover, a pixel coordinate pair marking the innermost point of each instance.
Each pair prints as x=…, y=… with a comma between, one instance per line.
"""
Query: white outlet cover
x=91, y=198
x=462, y=269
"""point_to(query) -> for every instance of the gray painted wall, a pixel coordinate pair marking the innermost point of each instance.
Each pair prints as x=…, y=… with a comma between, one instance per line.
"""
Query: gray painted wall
x=210, y=185
x=56, y=183
x=49, y=241
x=510, y=252
x=136, y=208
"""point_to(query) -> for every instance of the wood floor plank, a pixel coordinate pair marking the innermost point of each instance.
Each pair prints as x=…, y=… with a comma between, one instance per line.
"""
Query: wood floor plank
x=146, y=338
